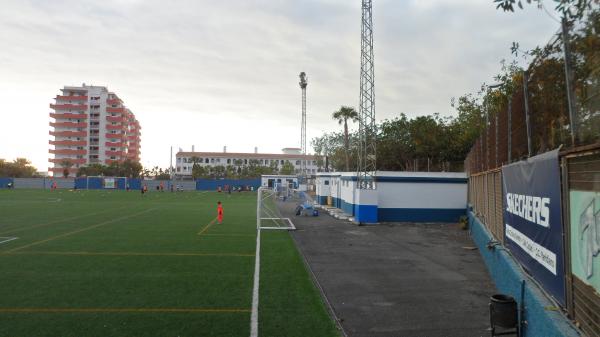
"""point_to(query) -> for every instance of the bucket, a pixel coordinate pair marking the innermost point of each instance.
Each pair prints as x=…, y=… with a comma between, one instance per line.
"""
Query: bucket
x=503, y=311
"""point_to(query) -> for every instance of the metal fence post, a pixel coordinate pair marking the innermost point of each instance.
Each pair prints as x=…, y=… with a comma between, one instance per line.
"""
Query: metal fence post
x=496, y=152
x=570, y=85
x=527, y=121
x=509, y=128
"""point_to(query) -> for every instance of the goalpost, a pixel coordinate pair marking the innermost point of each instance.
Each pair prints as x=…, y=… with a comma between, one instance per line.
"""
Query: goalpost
x=268, y=215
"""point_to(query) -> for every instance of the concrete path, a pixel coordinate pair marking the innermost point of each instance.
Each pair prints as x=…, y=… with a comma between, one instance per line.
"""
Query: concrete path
x=397, y=279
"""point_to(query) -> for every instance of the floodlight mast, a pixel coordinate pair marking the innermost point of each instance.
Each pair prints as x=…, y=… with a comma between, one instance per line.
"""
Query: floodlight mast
x=366, y=113
x=303, y=84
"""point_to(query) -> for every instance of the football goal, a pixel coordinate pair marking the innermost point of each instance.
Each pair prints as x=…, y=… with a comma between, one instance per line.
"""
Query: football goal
x=268, y=215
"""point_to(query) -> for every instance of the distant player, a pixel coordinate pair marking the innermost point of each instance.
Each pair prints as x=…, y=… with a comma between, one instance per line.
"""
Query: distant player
x=219, y=212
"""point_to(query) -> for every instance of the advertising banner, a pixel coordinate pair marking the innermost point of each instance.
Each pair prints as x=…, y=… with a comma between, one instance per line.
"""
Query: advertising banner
x=109, y=182
x=533, y=219
x=585, y=236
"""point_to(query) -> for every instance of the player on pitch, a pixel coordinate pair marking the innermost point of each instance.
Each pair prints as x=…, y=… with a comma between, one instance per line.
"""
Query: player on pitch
x=219, y=212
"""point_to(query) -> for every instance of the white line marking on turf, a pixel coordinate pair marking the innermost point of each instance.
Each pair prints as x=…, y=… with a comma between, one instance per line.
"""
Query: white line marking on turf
x=7, y=239
x=254, y=315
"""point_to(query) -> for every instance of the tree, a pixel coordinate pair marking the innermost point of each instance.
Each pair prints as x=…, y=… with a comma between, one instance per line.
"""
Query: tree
x=342, y=116
x=19, y=168
x=66, y=164
x=198, y=171
x=571, y=9
x=287, y=168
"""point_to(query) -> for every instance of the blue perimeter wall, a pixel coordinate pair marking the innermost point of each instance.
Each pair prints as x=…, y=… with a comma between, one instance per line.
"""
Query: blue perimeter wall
x=507, y=276
x=4, y=182
x=212, y=184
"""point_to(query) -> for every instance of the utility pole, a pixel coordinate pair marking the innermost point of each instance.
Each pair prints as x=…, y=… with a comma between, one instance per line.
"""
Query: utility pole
x=303, y=84
x=366, y=113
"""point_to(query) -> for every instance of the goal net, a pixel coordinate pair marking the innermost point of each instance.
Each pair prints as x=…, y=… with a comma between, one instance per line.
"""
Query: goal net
x=268, y=215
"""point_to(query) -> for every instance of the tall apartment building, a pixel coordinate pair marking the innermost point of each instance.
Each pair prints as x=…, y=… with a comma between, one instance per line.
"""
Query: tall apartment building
x=91, y=125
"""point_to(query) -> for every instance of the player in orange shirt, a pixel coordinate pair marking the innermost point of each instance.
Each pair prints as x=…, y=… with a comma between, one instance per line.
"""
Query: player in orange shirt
x=219, y=212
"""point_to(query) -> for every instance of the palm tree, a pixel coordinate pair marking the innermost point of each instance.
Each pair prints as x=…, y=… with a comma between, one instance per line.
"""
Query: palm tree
x=66, y=165
x=344, y=114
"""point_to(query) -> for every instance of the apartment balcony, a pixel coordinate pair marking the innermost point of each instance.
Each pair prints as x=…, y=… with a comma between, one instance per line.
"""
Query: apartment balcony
x=60, y=170
x=68, y=151
x=68, y=125
x=68, y=116
x=115, y=153
x=112, y=101
x=115, y=127
x=115, y=110
x=71, y=98
x=72, y=160
x=116, y=119
x=68, y=142
x=115, y=135
x=68, y=106
x=115, y=144
x=68, y=133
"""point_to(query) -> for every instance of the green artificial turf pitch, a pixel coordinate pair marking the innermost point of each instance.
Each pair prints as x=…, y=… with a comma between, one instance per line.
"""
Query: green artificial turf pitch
x=114, y=263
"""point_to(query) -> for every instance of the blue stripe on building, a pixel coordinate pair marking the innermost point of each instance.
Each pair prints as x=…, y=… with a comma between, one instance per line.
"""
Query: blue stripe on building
x=420, y=214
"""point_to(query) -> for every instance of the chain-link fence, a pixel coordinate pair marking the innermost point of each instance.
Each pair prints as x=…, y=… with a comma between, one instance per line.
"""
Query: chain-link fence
x=548, y=105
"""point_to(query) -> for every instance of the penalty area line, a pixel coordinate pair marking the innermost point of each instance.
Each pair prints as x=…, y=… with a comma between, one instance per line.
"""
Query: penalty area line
x=4, y=239
x=255, y=288
x=207, y=226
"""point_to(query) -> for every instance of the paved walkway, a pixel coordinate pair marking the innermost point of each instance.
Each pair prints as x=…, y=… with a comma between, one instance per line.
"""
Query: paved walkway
x=397, y=279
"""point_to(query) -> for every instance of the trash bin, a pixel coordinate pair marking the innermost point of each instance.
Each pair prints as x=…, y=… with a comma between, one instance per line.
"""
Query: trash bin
x=504, y=313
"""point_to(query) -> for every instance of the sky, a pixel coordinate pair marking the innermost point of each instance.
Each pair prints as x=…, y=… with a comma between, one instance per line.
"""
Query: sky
x=225, y=73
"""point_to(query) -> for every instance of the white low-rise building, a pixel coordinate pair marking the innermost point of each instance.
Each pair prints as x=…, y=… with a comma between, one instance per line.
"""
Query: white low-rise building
x=185, y=161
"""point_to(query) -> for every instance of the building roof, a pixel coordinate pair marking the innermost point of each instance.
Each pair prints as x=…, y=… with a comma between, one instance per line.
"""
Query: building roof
x=245, y=155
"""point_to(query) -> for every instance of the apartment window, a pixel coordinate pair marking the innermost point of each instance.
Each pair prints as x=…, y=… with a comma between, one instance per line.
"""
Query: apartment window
x=218, y=160
x=206, y=160
x=282, y=162
x=113, y=157
x=297, y=162
x=113, y=149
x=326, y=182
x=178, y=169
x=314, y=162
x=229, y=161
x=245, y=161
x=212, y=160
x=179, y=160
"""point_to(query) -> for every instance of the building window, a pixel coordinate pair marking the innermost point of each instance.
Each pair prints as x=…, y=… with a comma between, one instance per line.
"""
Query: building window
x=206, y=160
x=212, y=160
x=326, y=182
x=218, y=160
x=229, y=161
x=297, y=162
x=282, y=162
x=178, y=169
x=246, y=161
